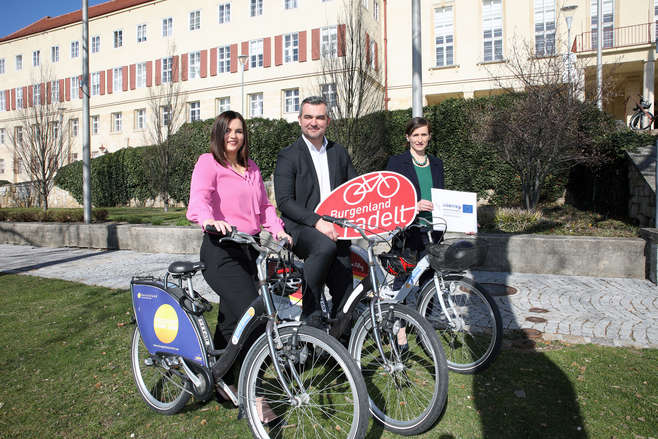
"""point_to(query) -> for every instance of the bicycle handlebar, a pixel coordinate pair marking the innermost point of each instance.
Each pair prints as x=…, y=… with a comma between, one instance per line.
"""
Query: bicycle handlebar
x=244, y=238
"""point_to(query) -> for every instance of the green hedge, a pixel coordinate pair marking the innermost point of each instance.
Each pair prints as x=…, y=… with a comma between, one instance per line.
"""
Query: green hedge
x=470, y=164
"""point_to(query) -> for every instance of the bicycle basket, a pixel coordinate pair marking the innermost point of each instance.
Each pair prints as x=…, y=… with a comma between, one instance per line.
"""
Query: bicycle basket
x=645, y=103
x=396, y=263
x=457, y=254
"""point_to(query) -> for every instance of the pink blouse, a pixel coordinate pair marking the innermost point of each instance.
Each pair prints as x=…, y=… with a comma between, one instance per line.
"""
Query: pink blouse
x=220, y=193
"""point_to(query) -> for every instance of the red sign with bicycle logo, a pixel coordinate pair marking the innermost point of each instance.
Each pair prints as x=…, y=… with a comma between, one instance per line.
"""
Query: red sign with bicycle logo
x=378, y=201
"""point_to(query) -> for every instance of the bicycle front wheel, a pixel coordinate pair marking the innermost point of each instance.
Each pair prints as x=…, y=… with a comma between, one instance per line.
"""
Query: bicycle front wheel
x=164, y=390
x=472, y=331
x=329, y=395
x=409, y=386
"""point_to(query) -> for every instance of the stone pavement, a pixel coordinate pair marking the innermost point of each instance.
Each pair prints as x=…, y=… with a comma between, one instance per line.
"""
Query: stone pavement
x=575, y=309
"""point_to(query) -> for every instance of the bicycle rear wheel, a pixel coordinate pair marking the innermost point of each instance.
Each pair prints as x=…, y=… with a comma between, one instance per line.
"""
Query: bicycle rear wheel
x=641, y=121
x=408, y=388
x=472, y=337
x=329, y=395
x=164, y=390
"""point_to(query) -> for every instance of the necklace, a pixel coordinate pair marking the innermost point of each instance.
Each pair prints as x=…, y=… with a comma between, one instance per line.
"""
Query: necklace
x=417, y=163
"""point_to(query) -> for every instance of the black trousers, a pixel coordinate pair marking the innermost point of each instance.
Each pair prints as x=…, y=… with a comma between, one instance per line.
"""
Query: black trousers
x=231, y=273
x=325, y=261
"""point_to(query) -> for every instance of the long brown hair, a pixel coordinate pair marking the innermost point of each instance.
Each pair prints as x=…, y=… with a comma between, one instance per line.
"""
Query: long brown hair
x=217, y=144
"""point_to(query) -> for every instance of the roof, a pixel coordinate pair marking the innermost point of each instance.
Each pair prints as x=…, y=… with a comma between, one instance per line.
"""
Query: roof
x=48, y=23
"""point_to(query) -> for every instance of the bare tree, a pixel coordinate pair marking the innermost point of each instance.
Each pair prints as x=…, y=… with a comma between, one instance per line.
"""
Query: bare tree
x=351, y=82
x=167, y=107
x=41, y=141
x=547, y=125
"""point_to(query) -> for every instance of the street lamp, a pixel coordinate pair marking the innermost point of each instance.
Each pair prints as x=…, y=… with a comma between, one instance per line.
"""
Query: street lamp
x=242, y=59
x=568, y=16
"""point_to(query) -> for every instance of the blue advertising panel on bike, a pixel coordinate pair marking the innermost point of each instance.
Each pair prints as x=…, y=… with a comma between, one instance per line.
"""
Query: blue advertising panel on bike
x=164, y=326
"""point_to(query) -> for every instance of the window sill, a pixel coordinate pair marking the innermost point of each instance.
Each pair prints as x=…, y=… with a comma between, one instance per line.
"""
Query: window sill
x=452, y=66
x=497, y=61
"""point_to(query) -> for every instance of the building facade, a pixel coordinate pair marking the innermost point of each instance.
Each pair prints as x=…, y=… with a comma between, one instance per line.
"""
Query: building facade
x=262, y=57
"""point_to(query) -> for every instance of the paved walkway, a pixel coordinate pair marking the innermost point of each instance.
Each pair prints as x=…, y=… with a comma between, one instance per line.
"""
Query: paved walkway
x=576, y=309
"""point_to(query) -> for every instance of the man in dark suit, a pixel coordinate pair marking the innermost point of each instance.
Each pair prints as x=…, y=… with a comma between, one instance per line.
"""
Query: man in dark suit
x=306, y=172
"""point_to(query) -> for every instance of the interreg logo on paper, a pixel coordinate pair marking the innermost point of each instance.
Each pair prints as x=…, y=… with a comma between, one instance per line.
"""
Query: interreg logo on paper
x=457, y=208
x=378, y=201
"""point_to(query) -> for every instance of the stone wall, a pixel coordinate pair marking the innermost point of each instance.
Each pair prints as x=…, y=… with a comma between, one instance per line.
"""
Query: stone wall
x=25, y=195
x=642, y=202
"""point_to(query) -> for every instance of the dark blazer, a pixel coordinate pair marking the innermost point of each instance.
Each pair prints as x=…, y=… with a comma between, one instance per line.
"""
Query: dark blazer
x=402, y=164
x=296, y=183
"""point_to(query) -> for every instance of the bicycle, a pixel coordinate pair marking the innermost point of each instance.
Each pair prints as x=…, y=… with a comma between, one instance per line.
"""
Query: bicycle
x=357, y=191
x=306, y=378
x=399, y=353
x=642, y=118
x=464, y=314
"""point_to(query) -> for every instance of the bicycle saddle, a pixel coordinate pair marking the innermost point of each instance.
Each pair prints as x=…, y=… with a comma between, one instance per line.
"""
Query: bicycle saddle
x=185, y=267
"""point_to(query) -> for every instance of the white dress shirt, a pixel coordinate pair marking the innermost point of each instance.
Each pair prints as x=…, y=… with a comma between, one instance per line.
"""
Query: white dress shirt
x=321, y=164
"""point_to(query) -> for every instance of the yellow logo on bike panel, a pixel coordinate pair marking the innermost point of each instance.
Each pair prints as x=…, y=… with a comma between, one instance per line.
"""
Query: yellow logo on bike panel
x=165, y=323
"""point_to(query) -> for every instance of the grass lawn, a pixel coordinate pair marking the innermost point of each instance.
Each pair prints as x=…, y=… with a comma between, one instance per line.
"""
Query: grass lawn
x=65, y=364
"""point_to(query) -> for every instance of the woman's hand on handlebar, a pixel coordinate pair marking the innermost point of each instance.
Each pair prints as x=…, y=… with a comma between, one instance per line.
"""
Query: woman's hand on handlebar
x=283, y=235
x=221, y=226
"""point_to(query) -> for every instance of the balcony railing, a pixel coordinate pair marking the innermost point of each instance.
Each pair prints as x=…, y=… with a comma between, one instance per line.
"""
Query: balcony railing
x=625, y=36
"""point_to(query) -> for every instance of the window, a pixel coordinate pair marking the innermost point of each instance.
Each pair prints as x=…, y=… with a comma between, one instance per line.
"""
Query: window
x=54, y=91
x=224, y=13
x=492, y=29
x=19, y=162
x=18, y=135
x=140, y=81
x=55, y=129
x=75, y=49
x=195, y=20
x=2, y=161
x=329, y=41
x=375, y=10
x=74, y=124
x=75, y=87
x=95, y=44
x=54, y=54
x=291, y=47
x=373, y=53
x=256, y=104
x=118, y=38
x=292, y=100
x=95, y=84
x=223, y=104
x=19, y=96
x=141, y=33
x=140, y=119
x=255, y=7
x=35, y=58
x=19, y=62
x=94, y=124
x=443, y=36
x=224, y=59
x=256, y=53
x=290, y=4
x=74, y=157
x=117, y=80
x=2, y=66
x=2, y=136
x=544, y=27
x=167, y=64
x=3, y=101
x=195, y=111
x=364, y=3
x=36, y=95
x=167, y=27
x=194, y=68
x=165, y=110
x=607, y=21
x=116, y=122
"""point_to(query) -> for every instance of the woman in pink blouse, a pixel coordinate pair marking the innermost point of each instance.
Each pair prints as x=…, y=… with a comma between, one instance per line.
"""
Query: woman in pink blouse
x=227, y=191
